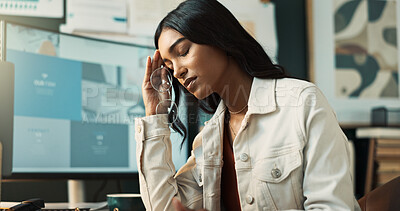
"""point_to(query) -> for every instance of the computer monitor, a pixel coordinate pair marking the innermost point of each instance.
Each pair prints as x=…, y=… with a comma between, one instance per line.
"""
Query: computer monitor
x=75, y=100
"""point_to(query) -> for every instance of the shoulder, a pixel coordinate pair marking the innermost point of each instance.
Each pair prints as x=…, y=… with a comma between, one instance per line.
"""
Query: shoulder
x=284, y=84
x=292, y=83
x=297, y=88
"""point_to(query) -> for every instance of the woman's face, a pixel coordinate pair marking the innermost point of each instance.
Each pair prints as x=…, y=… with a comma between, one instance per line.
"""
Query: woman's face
x=199, y=68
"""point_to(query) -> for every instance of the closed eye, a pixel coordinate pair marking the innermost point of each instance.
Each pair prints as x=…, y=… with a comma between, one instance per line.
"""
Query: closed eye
x=184, y=54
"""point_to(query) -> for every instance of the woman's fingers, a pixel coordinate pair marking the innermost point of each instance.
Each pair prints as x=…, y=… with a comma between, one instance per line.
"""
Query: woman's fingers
x=156, y=57
x=148, y=70
x=160, y=61
x=178, y=205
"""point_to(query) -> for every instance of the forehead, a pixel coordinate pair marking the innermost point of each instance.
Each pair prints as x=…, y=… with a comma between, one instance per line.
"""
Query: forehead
x=167, y=38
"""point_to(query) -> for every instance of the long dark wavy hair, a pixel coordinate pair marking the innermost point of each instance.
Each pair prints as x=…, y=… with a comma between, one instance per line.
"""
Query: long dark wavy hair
x=208, y=22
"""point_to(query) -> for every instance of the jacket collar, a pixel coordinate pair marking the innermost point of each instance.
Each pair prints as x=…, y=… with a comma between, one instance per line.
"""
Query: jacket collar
x=261, y=99
x=262, y=96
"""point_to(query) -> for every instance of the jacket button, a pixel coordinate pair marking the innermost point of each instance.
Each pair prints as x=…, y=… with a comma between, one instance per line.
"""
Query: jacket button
x=276, y=173
x=249, y=199
x=139, y=129
x=244, y=157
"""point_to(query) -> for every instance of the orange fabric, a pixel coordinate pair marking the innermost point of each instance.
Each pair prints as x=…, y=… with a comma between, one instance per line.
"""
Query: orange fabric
x=229, y=191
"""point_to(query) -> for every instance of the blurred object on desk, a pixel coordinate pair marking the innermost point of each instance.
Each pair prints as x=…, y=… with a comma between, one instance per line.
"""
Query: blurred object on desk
x=383, y=157
x=125, y=201
x=63, y=206
x=383, y=117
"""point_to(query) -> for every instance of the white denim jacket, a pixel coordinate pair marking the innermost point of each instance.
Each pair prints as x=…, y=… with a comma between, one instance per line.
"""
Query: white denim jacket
x=290, y=154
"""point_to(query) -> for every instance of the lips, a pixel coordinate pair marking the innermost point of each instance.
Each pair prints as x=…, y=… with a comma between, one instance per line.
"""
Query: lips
x=188, y=81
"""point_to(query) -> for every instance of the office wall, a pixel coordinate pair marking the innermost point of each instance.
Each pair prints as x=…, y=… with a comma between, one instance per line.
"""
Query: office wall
x=292, y=37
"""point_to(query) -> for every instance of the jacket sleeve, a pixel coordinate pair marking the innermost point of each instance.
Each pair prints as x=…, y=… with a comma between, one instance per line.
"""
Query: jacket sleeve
x=158, y=180
x=327, y=182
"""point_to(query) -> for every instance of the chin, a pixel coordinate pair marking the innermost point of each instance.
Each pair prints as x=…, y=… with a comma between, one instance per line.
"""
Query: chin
x=201, y=95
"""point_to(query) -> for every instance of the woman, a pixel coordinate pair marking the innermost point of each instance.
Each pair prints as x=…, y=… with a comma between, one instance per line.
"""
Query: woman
x=273, y=143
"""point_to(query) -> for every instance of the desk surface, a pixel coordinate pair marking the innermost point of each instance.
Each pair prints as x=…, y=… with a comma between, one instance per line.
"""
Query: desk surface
x=378, y=132
x=99, y=206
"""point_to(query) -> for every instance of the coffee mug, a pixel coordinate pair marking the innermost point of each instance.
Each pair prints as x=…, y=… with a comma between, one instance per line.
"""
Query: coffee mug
x=125, y=202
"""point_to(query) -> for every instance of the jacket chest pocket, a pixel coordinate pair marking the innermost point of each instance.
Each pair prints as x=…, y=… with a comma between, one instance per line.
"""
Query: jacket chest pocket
x=278, y=181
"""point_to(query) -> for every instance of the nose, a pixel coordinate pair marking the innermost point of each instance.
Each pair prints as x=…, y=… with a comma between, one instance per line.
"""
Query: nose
x=180, y=72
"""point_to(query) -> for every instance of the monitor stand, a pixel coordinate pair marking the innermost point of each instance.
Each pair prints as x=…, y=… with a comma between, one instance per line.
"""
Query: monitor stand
x=76, y=191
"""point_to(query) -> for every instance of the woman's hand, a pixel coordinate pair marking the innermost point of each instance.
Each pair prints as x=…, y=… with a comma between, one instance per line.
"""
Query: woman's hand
x=179, y=206
x=152, y=97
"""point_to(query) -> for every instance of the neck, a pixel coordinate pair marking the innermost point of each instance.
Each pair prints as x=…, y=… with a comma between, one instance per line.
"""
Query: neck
x=235, y=88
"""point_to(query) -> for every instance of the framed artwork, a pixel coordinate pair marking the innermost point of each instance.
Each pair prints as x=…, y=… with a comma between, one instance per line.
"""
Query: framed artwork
x=354, y=55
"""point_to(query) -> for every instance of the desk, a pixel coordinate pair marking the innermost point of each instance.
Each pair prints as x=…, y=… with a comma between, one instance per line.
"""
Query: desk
x=98, y=206
x=384, y=148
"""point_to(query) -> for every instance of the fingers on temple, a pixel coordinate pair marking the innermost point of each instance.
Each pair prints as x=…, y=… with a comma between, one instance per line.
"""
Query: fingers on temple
x=156, y=57
x=148, y=69
x=160, y=61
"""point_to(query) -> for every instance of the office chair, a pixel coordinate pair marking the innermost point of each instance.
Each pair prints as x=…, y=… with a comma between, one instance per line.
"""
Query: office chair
x=383, y=198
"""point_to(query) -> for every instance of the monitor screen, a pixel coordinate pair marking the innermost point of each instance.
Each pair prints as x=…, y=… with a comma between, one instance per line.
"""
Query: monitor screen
x=75, y=101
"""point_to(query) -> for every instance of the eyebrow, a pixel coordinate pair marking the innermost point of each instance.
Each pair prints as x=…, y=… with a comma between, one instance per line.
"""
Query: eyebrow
x=171, y=48
x=176, y=43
